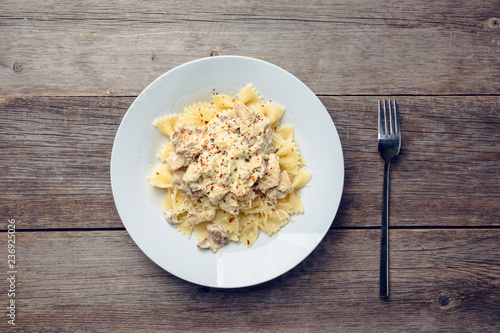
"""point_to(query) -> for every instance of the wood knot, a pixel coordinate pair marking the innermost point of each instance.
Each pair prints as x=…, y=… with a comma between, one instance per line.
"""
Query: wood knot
x=17, y=67
x=494, y=22
x=213, y=53
x=443, y=300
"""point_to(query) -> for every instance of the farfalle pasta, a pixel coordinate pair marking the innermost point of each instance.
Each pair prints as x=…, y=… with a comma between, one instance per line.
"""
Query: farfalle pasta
x=229, y=169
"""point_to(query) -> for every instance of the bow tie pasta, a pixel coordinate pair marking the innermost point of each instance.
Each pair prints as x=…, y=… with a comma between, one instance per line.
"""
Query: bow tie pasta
x=229, y=170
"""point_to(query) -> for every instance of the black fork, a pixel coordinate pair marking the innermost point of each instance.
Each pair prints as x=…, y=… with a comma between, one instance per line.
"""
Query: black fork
x=389, y=144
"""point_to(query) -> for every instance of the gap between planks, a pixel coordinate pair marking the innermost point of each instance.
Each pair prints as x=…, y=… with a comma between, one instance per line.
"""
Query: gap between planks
x=332, y=228
x=319, y=94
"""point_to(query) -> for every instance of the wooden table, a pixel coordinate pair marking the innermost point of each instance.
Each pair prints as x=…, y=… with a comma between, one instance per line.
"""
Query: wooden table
x=70, y=70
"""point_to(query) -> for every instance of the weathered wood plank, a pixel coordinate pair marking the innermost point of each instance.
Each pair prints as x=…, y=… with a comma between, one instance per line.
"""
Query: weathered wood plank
x=447, y=171
x=60, y=48
x=55, y=155
x=441, y=280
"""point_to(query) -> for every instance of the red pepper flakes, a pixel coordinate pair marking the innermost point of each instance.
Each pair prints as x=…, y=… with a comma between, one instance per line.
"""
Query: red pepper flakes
x=231, y=220
x=157, y=173
x=248, y=242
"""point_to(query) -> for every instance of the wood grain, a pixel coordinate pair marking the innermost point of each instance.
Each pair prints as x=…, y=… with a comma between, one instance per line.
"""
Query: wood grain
x=441, y=280
x=446, y=173
x=96, y=48
x=55, y=161
x=55, y=155
x=70, y=70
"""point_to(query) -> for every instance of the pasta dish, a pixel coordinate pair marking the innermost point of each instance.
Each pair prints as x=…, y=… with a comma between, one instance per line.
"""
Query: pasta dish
x=229, y=169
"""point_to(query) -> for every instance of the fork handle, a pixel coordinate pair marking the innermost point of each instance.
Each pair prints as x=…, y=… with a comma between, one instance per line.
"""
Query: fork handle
x=384, y=239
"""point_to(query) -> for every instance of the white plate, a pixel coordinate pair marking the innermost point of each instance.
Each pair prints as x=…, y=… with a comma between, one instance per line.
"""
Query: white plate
x=140, y=205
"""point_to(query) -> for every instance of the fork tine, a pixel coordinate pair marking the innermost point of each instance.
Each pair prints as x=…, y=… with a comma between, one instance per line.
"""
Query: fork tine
x=390, y=129
x=396, y=118
x=385, y=120
x=380, y=125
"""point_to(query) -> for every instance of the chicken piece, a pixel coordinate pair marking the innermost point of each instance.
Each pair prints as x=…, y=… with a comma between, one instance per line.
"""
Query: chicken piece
x=249, y=196
x=272, y=175
x=177, y=179
x=272, y=194
x=255, y=161
x=285, y=185
x=216, y=239
x=279, y=192
x=261, y=125
x=246, y=115
x=186, y=140
x=173, y=216
x=230, y=204
x=199, y=217
x=261, y=143
x=267, y=146
x=193, y=172
x=217, y=193
x=175, y=161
